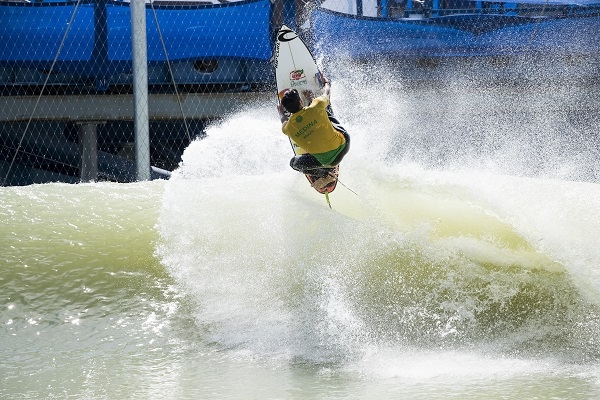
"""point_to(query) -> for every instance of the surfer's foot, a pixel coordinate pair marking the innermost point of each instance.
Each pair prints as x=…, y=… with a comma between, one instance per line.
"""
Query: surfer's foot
x=319, y=172
x=322, y=183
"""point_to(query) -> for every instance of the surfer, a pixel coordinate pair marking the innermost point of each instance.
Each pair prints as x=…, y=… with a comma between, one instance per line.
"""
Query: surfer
x=314, y=129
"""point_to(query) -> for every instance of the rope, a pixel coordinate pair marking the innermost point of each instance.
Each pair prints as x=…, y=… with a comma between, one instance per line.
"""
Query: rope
x=37, y=101
x=57, y=162
x=341, y=183
x=162, y=41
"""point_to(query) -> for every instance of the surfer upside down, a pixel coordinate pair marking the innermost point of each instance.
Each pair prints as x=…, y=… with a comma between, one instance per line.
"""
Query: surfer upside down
x=314, y=129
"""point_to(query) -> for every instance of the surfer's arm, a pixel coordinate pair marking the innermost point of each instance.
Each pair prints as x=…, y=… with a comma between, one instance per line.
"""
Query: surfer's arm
x=282, y=115
x=326, y=87
x=310, y=96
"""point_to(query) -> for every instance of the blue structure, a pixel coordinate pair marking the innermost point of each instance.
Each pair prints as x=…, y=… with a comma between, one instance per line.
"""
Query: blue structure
x=227, y=43
x=231, y=43
x=451, y=28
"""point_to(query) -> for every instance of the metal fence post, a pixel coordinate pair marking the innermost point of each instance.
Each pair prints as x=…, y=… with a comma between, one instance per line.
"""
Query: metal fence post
x=140, y=89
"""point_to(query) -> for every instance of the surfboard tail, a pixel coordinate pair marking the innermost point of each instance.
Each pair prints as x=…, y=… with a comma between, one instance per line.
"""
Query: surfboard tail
x=325, y=184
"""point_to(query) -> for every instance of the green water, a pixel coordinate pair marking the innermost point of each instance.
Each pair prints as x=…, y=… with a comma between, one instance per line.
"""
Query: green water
x=465, y=267
x=111, y=291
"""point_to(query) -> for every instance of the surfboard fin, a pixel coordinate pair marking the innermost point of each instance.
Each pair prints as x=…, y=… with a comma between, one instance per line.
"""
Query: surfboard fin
x=327, y=198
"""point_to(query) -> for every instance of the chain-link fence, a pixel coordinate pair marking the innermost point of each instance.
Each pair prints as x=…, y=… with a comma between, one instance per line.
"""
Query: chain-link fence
x=66, y=77
x=66, y=70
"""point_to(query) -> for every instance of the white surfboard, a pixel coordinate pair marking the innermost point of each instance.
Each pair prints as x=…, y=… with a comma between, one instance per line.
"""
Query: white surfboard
x=295, y=68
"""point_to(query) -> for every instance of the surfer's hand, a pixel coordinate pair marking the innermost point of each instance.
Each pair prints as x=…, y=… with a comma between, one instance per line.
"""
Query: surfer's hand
x=309, y=95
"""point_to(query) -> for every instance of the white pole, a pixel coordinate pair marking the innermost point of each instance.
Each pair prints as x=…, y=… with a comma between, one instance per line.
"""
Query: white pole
x=140, y=89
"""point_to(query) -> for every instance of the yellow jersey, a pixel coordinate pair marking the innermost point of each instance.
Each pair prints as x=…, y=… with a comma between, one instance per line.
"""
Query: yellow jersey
x=312, y=131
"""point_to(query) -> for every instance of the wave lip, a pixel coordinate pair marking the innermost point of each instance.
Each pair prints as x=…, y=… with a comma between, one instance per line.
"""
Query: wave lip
x=420, y=258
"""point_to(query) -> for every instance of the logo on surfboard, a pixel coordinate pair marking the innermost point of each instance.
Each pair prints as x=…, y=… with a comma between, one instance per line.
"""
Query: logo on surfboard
x=298, y=78
x=282, y=35
x=297, y=75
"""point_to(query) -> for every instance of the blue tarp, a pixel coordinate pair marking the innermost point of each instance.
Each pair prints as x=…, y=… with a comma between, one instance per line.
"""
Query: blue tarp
x=342, y=35
x=550, y=2
x=32, y=33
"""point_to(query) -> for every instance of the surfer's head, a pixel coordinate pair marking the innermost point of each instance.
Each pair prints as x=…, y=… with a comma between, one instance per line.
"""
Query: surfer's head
x=291, y=101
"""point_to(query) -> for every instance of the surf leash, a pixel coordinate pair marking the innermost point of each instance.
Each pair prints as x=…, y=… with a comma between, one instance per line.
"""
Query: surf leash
x=341, y=183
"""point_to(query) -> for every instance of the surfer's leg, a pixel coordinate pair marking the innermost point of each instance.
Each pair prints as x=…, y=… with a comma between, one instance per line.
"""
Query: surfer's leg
x=304, y=162
x=340, y=156
x=308, y=164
